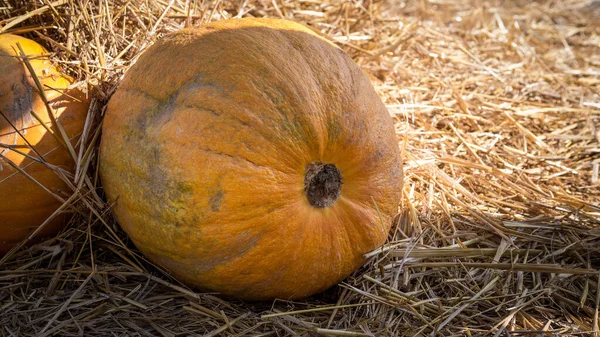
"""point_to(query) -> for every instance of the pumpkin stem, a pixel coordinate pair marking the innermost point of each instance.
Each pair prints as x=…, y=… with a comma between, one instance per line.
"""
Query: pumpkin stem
x=322, y=184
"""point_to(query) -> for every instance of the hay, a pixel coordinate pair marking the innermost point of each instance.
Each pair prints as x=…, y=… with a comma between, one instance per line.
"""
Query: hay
x=497, y=105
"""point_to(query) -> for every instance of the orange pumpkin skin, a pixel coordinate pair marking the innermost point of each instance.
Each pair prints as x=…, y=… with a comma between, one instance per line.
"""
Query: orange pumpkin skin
x=30, y=205
x=206, y=148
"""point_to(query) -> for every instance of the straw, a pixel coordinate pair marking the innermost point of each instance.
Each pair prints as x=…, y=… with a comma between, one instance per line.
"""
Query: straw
x=497, y=110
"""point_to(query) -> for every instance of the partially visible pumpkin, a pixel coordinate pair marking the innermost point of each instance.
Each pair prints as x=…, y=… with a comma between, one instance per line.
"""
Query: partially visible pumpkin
x=24, y=204
x=251, y=157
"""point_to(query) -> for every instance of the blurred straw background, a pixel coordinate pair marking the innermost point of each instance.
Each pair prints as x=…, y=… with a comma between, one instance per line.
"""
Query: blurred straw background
x=497, y=109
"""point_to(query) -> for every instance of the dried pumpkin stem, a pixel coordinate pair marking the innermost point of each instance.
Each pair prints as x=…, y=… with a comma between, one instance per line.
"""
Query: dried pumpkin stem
x=322, y=184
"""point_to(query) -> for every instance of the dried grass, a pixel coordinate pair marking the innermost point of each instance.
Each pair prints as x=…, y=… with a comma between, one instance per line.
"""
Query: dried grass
x=497, y=105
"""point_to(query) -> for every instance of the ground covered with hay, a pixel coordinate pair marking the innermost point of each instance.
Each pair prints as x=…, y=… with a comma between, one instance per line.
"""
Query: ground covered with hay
x=497, y=108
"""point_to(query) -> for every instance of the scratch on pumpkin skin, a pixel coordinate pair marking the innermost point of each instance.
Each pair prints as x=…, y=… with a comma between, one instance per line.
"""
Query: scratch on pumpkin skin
x=236, y=158
x=193, y=84
x=214, y=112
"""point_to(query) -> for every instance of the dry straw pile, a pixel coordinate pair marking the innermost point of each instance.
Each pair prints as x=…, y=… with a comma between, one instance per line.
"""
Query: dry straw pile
x=497, y=105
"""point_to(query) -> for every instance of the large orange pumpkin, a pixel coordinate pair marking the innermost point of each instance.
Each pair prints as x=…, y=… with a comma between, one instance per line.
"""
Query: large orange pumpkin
x=252, y=158
x=24, y=204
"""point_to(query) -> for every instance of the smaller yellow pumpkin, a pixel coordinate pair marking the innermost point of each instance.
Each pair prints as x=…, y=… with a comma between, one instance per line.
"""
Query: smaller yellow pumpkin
x=30, y=204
